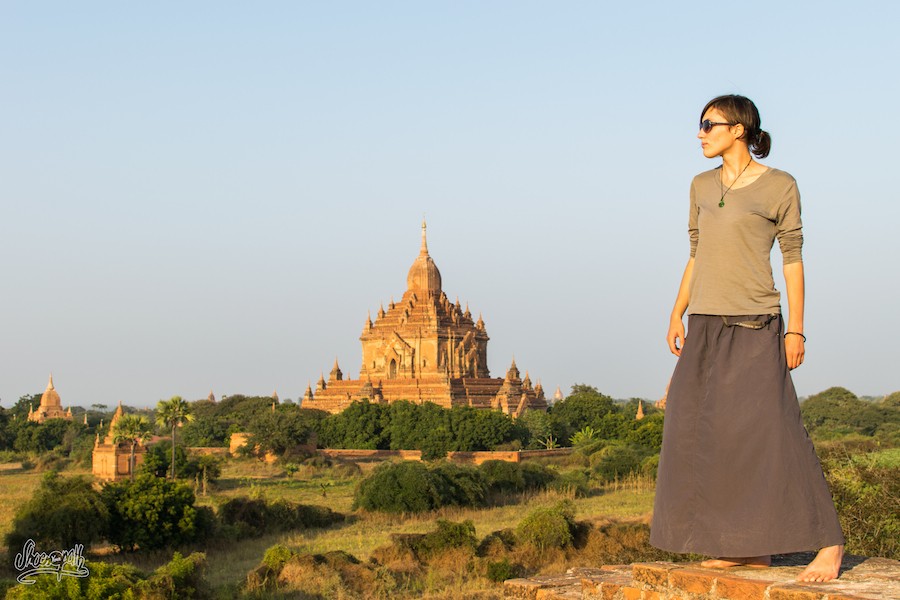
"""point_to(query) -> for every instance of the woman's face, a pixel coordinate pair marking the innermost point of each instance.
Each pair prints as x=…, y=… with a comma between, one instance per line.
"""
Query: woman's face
x=720, y=138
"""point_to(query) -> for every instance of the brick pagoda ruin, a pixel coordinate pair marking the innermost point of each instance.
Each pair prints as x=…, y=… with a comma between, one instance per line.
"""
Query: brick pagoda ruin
x=111, y=460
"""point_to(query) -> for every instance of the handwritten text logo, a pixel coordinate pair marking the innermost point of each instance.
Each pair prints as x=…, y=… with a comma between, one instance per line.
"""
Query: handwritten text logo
x=62, y=563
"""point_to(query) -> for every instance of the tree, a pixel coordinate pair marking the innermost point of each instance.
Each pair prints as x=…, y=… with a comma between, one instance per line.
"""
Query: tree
x=42, y=437
x=61, y=513
x=584, y=406
x=150, y=512
x=361, y=425
x=24, y=404
x=538, y=425
x=282, y=431
x=134, y=430
x=173, y=413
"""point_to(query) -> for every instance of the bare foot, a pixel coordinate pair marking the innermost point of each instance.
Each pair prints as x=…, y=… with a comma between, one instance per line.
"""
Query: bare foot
x=756, y=562
x=825, y=566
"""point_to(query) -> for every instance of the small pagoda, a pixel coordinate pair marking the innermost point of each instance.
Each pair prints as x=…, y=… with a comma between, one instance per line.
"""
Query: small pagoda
x=50, y=407
x=111, y=460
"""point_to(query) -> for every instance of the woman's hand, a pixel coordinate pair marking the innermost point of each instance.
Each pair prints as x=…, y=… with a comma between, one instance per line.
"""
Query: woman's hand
x=794, y=350
x=675, y=336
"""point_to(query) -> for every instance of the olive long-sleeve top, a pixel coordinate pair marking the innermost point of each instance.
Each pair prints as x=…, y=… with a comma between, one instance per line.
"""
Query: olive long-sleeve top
x=732, y=244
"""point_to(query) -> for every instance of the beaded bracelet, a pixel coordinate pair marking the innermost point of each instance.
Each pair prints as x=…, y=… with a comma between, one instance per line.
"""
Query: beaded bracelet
x=787, y=333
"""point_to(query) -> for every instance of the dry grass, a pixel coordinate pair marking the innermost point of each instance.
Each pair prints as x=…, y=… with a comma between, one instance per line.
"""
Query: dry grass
x=256, y=479
x=372, y=530
x=16, y=488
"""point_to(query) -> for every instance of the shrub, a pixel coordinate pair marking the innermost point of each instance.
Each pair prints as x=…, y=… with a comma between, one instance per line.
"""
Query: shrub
x=502, y=476
x=548, y=527
x=575, y=481
x=537, y=477
x=105, y=581
x=61, y=513
x=459, y=485
x=650, y=465
x=246, y=517
x=448, y=535
x=276, y=556
x=150, y=513
x=182, y=578
x=497, y=543
x=501, y=570
x=616, y=460
x=398, y=487
x=866, y=492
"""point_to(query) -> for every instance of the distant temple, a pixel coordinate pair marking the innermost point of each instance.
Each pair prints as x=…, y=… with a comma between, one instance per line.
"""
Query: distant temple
x=112, y=461
x=50, y=407
x=426, y=349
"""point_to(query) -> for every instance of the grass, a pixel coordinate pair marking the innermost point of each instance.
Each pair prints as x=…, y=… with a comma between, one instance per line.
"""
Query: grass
x=16, y=488
x=373, y=530
x=254, y=479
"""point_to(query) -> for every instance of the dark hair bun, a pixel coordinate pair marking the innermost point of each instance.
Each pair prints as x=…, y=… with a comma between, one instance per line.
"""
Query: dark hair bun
x=761, y=144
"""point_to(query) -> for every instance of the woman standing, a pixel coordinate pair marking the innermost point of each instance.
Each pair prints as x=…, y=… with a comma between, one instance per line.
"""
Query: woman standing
x=738, y=476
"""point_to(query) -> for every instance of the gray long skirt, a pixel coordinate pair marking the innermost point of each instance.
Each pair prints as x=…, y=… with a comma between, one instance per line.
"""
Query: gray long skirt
x=738, y=474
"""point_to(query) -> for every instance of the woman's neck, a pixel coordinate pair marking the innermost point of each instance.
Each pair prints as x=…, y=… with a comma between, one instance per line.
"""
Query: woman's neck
x=734, y=161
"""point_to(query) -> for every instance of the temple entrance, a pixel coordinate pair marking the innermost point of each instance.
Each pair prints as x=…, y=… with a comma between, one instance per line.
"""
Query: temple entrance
x=392, y=369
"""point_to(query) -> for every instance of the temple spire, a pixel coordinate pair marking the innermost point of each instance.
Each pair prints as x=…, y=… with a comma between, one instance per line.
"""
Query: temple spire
x=50, y=383
x=424, y=249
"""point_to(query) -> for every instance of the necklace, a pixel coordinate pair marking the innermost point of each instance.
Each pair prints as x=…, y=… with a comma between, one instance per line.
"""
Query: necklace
x=722, y=183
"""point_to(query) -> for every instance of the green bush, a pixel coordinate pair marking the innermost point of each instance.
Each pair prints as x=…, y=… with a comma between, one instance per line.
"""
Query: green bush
x=616, y=461
x=459, y=485
x=866, y=492
x=61, y=513
x=537, y=477
x=502, y=476
x=548, y=527
x=650, y=465
x=105, y=581
x=576, y=481
x=501, y=570
x=416, y=487
x=448, y=535
x=398, y=487
x=276, y=556
x=246, y=517
x=149, y=513
x=182, y=578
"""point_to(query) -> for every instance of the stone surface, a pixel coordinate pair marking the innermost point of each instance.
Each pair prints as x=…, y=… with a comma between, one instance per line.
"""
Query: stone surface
x=861, y=578
x=426, y=348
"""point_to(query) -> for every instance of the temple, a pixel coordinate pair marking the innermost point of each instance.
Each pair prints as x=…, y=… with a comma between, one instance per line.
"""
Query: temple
x=426, y=348
x=111, y=460
x=50, y=407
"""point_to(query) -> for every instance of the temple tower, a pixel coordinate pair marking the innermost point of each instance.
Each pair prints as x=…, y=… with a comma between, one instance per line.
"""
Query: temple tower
x=50, y=407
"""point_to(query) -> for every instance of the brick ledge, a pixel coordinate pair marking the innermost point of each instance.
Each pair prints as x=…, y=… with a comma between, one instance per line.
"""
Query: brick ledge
x=861, y=578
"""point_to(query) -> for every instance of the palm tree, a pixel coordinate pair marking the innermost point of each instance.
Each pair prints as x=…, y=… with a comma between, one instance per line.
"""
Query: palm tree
x=173, y=413
x=134, y=430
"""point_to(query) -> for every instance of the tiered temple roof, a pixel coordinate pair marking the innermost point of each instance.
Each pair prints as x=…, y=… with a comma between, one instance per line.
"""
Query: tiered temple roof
x=426, y=348
x=50, y=407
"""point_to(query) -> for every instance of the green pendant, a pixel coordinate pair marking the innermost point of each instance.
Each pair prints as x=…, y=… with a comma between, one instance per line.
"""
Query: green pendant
x=722, y=202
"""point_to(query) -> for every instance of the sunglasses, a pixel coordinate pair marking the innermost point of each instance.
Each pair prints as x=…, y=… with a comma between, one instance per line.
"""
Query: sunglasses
x=707, y=125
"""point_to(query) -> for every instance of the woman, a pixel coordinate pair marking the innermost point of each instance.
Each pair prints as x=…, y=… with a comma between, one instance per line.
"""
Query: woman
x=738, y=476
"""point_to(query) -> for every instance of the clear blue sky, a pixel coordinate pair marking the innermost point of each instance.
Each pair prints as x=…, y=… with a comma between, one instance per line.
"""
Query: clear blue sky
x=211, y=195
